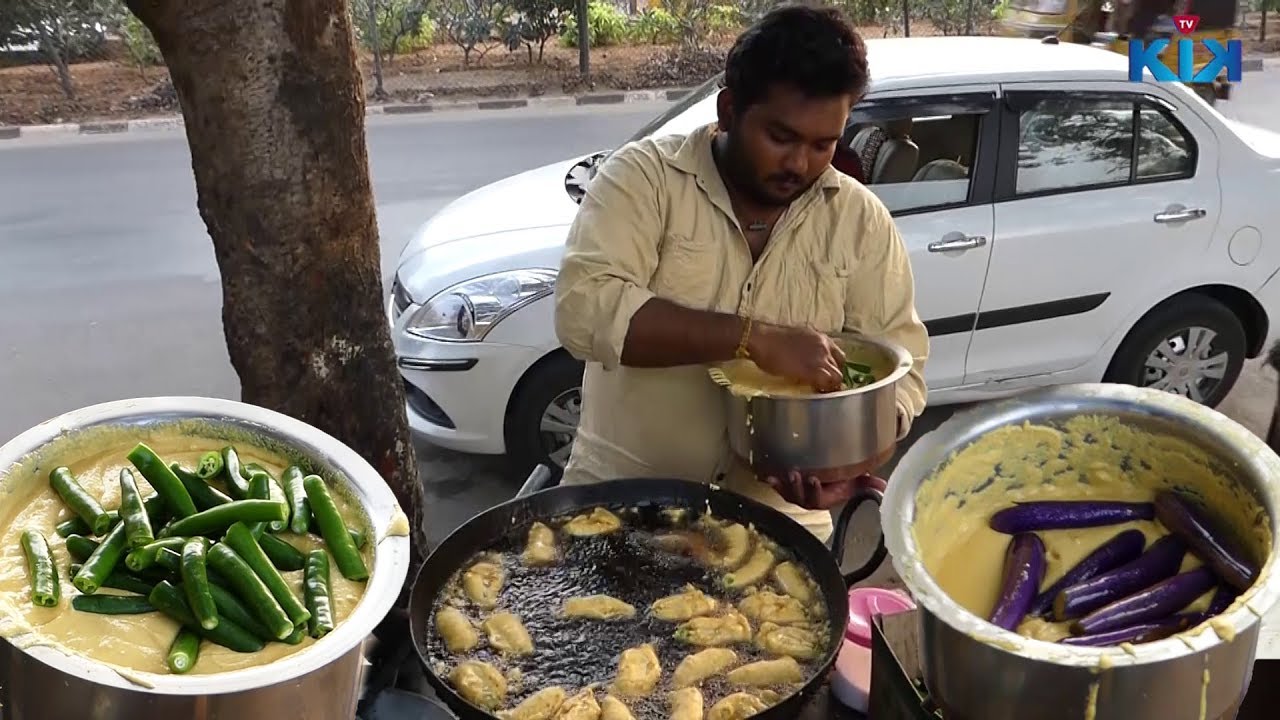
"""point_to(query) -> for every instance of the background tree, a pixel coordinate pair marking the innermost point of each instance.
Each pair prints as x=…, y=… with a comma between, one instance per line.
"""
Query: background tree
x=274, y=110
x=139, y=44
x=533, y=23
x=472, y=25
x=61, y=30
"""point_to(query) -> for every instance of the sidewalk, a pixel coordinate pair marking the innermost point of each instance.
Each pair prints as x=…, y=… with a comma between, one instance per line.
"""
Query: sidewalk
x=174, y=122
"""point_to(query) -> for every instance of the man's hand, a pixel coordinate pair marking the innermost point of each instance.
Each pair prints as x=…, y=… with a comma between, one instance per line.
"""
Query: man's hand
x=800, y=354
x=823, y=490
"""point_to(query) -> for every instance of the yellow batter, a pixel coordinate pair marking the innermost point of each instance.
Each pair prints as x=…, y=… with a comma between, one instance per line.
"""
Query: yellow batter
x=1089, y=458
x=132, y=642
x=744, y=378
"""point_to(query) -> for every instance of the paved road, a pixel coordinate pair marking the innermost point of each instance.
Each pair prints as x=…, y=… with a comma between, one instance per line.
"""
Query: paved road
x=109, y=289
x=108, y=282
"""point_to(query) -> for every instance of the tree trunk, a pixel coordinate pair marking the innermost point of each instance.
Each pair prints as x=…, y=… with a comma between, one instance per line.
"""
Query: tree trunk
x=274, y=111
x=63, y=69
x=376, y=43
x=55, y=51
x=584, y=40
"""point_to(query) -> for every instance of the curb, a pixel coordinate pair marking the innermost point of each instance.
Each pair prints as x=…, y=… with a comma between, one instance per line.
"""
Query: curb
x=13, y=132
x=111, y=127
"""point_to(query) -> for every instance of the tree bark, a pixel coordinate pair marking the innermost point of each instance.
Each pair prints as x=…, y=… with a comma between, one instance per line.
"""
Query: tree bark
x=274, y=109
x=55, y=51
x=376, y=43
x=584, y=40
x=63, y=70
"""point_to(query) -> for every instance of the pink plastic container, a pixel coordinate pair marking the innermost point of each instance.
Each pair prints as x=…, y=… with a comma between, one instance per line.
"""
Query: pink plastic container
x=851, y=681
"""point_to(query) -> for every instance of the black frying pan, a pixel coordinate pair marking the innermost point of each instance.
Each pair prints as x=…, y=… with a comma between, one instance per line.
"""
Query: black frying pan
x=537, y=502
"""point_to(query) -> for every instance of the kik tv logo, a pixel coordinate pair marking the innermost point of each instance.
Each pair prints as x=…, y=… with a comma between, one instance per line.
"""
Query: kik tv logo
x=1147, y=57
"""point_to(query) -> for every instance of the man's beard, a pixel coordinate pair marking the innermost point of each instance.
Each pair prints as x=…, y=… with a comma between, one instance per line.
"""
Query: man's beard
x=742, y=174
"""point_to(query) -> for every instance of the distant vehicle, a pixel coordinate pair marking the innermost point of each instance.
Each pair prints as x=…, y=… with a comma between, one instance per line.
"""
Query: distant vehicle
x=1064, y=224
x=1112, y=24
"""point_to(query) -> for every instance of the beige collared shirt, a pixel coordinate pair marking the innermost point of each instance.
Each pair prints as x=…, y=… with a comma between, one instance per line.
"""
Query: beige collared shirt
x=656, y=222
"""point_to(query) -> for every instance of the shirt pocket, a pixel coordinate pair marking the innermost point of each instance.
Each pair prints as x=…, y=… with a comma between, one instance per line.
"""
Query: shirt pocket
x=689, y=268
x=830, y=284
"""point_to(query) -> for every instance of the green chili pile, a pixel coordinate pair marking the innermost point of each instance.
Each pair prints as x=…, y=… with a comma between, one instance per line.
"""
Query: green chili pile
x=206, y=557
x=856, y=375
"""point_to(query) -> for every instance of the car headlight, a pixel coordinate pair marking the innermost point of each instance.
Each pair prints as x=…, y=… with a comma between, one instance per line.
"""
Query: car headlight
x=467, y=311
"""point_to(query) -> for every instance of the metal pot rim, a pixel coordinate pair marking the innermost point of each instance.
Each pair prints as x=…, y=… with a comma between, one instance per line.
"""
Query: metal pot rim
x=387, y=575
x=926, y=455
x=903, y=364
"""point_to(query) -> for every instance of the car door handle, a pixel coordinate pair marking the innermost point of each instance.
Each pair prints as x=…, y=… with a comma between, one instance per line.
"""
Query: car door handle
x=1171, y=216
x=961, y=243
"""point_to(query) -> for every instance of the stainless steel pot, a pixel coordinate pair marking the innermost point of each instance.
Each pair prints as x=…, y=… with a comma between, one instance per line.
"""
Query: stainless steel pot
x=977, y=671
x=320, y=682
x=854, y=429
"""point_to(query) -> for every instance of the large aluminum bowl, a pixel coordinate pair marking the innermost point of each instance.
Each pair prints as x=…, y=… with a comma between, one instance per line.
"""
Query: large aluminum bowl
x=321, y=681
x=977, y=671
x=853, y=430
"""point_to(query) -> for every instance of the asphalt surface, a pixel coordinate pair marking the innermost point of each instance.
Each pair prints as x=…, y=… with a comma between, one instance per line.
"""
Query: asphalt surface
x=109, y=289
x=108, y=284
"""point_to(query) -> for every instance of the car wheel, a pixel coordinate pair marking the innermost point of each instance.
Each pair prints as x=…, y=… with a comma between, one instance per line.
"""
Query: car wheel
x=542, y=419
x=1191, y=345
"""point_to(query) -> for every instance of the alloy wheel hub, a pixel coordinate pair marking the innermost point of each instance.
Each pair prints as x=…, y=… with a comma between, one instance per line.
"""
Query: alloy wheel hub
x=559, y=425
x=1186, y=363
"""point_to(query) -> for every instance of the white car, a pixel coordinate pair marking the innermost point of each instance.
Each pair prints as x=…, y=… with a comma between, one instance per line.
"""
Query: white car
x=1048, y=247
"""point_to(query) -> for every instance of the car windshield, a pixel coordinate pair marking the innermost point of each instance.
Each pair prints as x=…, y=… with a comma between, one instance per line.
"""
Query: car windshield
x=695, y=96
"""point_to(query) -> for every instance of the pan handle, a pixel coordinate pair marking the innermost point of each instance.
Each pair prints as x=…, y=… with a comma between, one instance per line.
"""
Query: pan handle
x=539, y=479
x=871, y=491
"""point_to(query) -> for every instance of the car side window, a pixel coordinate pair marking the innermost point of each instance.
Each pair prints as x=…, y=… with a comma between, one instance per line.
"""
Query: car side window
x=1166, y=150
x=1067, y=143
x=1072, y=143
x=915, y=161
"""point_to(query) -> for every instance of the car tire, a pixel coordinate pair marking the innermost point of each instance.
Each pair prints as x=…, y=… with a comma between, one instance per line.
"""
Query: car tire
x=556, y=379
x=1151, y=355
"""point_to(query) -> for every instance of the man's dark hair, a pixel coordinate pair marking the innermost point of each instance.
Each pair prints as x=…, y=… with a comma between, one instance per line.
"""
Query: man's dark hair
x=813, y=49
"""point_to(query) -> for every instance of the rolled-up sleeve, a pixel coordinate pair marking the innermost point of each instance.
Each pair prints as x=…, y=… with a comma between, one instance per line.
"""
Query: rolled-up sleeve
x=610, y=256
x=880, y=302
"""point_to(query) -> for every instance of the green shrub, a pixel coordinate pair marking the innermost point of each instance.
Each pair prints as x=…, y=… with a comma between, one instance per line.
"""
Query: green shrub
x=700, y=21
x=403, y=26
x=725, y=19
x=532, y=23
x=654, y=26
x=606, y=25
x=138, y=42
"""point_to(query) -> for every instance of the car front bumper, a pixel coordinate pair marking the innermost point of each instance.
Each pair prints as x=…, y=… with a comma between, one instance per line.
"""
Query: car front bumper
x=456, y=393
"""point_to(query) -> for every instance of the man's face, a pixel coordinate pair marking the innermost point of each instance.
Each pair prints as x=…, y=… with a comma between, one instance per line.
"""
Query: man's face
x=779, y=146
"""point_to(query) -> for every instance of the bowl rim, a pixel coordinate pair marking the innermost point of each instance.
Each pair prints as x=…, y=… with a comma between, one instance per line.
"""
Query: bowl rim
x=900, y=355
x=387, y=574
x=962, y=429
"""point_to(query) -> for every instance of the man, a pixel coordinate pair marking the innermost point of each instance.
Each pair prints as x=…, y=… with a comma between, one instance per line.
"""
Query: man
x=736, y=240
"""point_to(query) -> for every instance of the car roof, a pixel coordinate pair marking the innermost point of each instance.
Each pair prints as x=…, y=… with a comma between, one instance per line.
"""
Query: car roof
x=905, y=62
x=920, y=62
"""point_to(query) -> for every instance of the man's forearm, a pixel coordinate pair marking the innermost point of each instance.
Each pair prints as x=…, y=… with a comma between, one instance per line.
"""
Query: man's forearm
x=664, y=334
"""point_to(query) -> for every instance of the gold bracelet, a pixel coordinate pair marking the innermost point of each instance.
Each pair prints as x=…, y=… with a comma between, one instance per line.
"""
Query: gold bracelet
x=746, y=336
